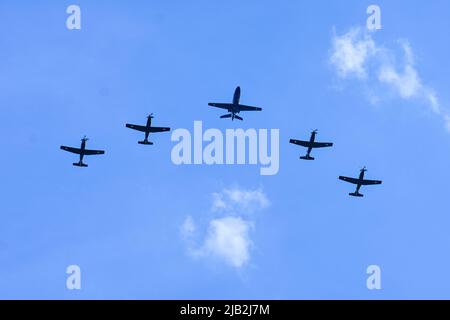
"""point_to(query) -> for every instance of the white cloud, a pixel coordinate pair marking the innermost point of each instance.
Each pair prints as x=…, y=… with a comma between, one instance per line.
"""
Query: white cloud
x=355, y=53
x=218, y=202
x=447, y=122
x=188, y=227
x=434, y=101
x=244, y=201
x=227, y=237
x=407, y=83
x=351, y=52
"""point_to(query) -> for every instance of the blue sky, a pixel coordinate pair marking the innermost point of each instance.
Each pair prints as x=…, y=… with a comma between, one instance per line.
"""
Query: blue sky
x=123, y=220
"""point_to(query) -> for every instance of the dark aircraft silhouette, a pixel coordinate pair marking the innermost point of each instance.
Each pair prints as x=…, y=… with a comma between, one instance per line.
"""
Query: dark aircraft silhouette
x=147, y=129
x=82, y=151
x=311, y=144
x=234, y=107
x=359, y=182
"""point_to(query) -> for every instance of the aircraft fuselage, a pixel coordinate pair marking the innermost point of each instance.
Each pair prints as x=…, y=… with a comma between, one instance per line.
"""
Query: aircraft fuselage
x=149, y=122
x=361, y=175
x=358, y=186
x=83, y=145
x=236, y=97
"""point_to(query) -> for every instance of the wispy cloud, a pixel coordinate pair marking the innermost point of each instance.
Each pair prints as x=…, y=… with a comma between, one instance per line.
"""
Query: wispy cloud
x=351, y=53
x=228, y=237
x=447, y=122
x=355, y=54
x=188, y=227
x=236, y=199
x=407, y=82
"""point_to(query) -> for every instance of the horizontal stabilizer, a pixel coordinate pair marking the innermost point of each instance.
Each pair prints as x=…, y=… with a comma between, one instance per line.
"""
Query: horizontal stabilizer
x=307, y=158
x=145, y=142
x=80, y=164
x=225, y=116
x=238, y=117
x=356, y=194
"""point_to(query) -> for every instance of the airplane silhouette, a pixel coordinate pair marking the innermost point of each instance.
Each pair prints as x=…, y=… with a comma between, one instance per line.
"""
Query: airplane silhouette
x=311, y=144
x=82, y=151
x=360, y=182
x=147, y=129
x=234, y=107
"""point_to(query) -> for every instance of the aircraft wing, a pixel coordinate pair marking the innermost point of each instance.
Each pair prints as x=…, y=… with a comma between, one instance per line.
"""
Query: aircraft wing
x=158, y=129
x=306, y=144
x=321, y=144
x=309, y=144
x=70, y=149
x=93, y=152
x=248, y=108
x=136, y=127
x=370, y=182
x=350, y=180
x=226, y=106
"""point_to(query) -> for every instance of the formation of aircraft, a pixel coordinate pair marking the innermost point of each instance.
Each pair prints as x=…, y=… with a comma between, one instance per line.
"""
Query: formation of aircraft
x=82, y=151
x=360, y=181
x=311, y=144
x=147, y=129
x=235, y=107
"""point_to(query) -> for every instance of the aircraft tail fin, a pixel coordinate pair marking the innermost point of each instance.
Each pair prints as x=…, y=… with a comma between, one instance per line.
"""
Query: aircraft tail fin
x=225, y=116
x=307, y=158
x=356, y=194
x=146, y=142
x=80, y=164
x=238, y=117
